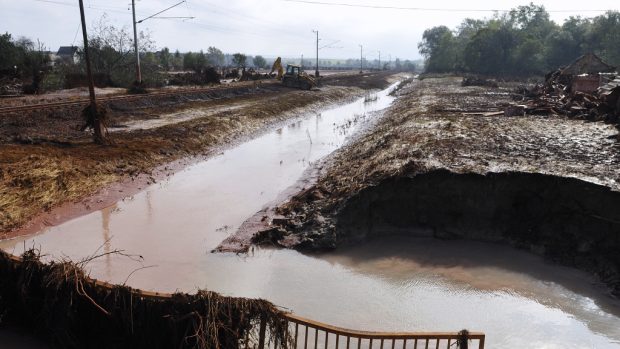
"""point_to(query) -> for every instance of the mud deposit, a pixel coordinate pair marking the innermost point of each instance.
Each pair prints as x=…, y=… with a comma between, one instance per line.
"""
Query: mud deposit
x=547, y=184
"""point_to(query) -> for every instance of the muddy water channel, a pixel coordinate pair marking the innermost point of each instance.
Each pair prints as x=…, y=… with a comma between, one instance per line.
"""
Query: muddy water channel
x=403, y=284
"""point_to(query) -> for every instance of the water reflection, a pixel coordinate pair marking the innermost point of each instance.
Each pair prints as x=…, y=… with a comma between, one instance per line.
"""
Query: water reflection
x=107, y=238
x=488, y=268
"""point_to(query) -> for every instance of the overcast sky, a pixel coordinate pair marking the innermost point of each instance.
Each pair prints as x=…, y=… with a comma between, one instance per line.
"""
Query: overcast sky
x=271, y=27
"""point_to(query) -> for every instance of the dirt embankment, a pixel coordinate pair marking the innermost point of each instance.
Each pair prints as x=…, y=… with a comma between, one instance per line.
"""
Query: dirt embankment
x=45, y=161
x=430, y=167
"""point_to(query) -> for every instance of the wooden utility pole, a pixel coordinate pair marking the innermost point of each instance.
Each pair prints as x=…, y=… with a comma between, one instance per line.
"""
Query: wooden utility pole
x=135, y=43
x=92, y=114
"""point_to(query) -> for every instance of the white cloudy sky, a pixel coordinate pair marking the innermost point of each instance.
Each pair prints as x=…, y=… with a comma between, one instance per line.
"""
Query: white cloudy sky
x=271, y=27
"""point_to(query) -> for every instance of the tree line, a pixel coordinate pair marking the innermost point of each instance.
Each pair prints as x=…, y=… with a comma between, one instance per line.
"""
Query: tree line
x=521, y=42
x=112, y=55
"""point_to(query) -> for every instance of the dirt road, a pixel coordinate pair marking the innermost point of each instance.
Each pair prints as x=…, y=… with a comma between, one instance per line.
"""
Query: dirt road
x=47, y=161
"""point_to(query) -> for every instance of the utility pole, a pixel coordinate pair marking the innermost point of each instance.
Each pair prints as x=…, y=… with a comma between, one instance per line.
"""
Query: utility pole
x=92, y=112
x=316, y=72
x=380, y=60
x=361, y=59
x=302, y=61
x=135, y=33
x=135, y=43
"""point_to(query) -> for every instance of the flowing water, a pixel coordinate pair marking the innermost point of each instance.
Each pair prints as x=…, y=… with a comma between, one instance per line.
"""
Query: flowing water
x=400, y=284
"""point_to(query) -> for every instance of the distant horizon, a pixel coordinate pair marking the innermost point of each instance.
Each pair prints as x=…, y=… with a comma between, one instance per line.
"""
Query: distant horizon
x=270, y=57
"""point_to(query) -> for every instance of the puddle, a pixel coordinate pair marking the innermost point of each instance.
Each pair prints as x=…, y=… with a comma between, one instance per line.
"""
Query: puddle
x=393, y=285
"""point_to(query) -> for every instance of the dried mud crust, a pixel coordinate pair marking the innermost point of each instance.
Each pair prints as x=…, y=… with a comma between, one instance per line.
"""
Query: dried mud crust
x=425, y=132
x=45, y=161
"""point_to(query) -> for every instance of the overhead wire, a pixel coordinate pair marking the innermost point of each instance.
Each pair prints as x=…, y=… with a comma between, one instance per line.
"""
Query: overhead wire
x=389, y=7
x=267, y=27
x=76, y=33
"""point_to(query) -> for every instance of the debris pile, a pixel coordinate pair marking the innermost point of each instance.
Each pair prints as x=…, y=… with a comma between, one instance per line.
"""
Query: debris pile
x=557, y=98
x=251, y=74
x=208, y=76
x=10, y=87
x=478, y=81
x=585, y=89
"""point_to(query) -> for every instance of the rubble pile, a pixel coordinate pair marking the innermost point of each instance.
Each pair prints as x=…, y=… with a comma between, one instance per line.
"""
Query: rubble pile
x=208, y=76
x=10, y=87
x=588, y=88
x=557, y=96
x=251, y=74
x=478, y=81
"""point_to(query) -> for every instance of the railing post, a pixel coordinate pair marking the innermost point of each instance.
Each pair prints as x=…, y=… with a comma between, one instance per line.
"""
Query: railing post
x=261, y=332
x=481, y=344
x=296, y=335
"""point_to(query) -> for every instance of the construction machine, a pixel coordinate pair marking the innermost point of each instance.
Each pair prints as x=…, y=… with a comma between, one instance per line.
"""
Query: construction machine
x=294, y=75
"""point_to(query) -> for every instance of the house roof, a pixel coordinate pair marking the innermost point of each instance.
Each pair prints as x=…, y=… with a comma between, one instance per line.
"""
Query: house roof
x=587, y=64
x=67, y=50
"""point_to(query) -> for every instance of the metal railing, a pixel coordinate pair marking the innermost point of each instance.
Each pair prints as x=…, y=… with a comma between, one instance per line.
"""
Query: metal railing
x=309, y=334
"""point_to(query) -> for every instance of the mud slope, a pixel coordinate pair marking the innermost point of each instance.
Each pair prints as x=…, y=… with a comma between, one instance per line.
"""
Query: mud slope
x=546, y=183
x=572, y=222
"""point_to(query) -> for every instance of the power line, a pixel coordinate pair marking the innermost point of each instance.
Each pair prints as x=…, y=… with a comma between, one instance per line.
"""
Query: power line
x=97, y=8
x=76, y=33
x=162, y=11
x=384, y=7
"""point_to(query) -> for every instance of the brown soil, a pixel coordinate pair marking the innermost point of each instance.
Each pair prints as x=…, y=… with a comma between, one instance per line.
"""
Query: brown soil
x=45, y=161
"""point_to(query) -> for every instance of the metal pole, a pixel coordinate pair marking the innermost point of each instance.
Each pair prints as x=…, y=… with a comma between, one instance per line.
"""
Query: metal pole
x=361, y=59
x=135, y=43
x=316, y=72
x=91, y=82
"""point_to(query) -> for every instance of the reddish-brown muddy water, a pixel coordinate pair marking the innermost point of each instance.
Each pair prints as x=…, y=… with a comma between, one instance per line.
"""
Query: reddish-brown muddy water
x=394, y=284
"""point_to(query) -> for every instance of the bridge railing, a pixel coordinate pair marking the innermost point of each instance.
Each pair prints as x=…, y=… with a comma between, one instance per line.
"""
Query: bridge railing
x=310, y=334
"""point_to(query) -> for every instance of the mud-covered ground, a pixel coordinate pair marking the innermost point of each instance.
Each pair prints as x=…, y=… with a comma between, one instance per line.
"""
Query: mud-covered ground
x=429, y=128
x=46, y=161
x=434, y=165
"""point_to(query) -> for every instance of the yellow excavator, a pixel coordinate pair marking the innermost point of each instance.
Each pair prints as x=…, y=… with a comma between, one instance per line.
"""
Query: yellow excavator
x=294, y=75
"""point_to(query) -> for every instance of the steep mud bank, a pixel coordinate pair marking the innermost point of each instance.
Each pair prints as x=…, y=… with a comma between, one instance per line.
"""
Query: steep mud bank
x=548, y=184
x=572, y=222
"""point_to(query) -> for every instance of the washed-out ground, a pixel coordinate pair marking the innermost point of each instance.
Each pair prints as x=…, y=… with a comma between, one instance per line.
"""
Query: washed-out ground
x=428, y=129
x=435, y=124
x=46, y=161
